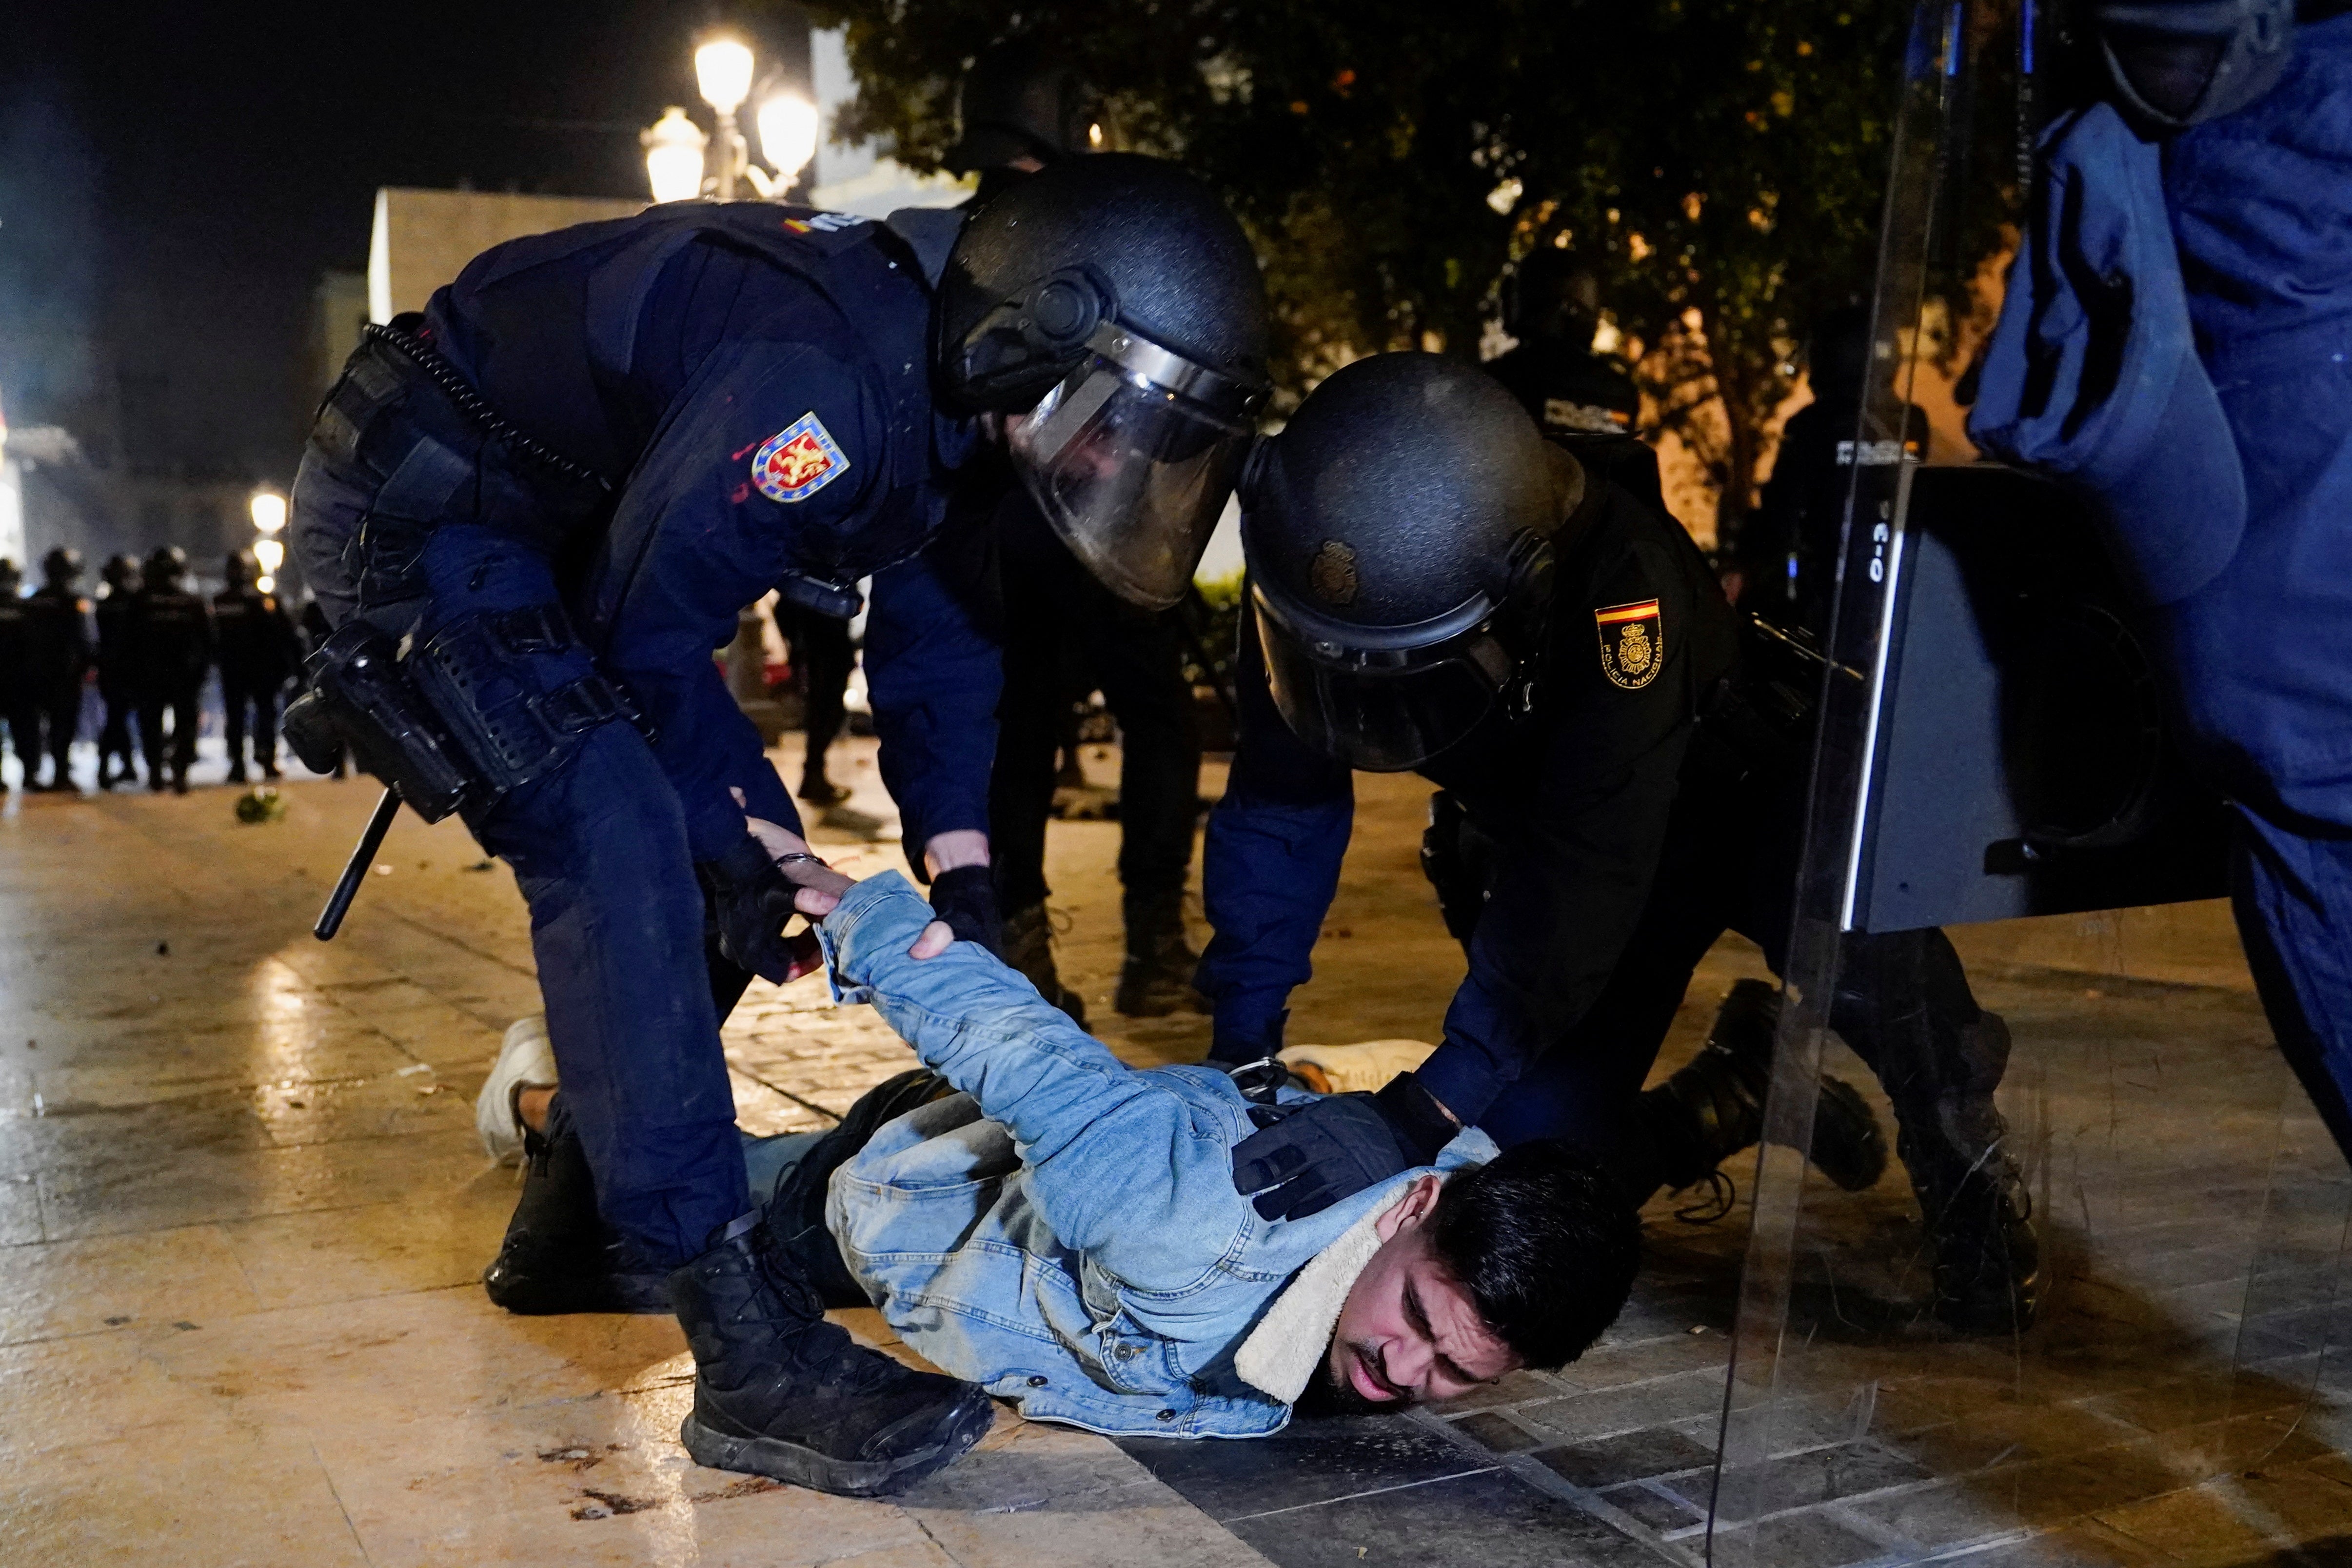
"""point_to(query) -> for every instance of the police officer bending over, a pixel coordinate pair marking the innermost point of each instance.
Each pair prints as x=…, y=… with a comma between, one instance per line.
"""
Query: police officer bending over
x=1434, y=587
x=562, y=481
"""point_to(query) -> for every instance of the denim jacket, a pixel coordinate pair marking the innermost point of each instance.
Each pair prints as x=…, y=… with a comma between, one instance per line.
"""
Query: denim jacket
x=1065, y=1231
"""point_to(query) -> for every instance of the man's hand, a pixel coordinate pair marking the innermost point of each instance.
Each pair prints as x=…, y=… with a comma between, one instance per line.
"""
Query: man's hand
x=1305, y=1158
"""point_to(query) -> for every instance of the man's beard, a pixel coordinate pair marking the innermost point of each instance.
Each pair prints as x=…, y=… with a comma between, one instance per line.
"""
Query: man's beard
x=1335, y=1394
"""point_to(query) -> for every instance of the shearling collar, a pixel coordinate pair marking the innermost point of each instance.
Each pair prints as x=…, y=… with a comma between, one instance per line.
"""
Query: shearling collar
x=1281, y=1354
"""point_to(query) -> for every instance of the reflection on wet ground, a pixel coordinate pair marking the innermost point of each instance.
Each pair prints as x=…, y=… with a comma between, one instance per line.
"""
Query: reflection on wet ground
x=243, y=1213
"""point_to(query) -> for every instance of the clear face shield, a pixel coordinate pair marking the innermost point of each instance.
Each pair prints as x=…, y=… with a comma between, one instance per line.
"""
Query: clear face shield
x=1388, y=708
x=1131, y=457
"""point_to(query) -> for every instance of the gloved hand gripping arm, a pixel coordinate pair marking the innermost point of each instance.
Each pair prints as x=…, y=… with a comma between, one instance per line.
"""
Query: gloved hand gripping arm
x=1306, y=1157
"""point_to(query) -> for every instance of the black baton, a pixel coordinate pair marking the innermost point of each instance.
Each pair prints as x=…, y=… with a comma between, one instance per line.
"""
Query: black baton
x=338, y=902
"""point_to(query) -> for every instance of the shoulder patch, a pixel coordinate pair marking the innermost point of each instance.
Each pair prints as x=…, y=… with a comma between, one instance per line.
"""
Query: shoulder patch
x=1632, y=643
x=798, y=461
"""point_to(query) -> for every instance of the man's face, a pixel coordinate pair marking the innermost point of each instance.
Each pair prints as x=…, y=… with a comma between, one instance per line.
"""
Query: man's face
x=1408, y=1332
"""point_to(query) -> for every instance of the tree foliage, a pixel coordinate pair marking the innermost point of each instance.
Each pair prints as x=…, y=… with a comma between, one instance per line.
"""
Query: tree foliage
x=1721, y=164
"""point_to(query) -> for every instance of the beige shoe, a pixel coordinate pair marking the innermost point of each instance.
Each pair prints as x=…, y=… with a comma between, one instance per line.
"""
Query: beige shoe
x=1364, y=1066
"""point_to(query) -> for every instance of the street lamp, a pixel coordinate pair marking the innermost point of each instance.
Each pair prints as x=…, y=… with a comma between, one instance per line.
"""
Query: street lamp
x=723, y=70
x=268, y=510
x=787, y=124
x=673, y=146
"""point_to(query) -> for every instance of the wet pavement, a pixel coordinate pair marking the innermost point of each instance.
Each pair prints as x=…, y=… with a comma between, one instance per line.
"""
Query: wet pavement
x=241, y=1214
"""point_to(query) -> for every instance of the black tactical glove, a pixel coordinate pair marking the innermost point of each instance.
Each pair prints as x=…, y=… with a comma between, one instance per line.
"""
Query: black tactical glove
x=965, y=898
x=1307, y=1157
x=751, y=898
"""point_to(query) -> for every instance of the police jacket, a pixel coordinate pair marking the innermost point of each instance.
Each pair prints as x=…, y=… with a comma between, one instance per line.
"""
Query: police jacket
x=1566, y=388
x=752, y=381
x=13, y=647
x=1576, y=793
x=56, y=641
x=258, y=644
x=170, y=641
x=116, y=661
x=1787, y=548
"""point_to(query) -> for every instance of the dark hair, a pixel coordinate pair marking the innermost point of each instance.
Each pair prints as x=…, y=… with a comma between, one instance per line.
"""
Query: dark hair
x=1547, y=1246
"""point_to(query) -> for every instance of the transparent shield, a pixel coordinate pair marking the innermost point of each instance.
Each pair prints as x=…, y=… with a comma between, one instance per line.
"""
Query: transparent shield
x=2092, y=1312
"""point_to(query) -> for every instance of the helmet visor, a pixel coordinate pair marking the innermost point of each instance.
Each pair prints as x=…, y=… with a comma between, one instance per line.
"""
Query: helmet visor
x=1383, y=713
x=1131, y=475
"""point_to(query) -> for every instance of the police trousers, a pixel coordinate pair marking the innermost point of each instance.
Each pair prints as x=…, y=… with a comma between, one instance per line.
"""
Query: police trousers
x=1729, y=862
x=1057, y=615
x=597, y=841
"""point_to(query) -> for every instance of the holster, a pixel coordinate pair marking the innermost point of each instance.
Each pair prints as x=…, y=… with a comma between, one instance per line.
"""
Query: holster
x=456, y=723
x=1460, y=862
x=360, y=697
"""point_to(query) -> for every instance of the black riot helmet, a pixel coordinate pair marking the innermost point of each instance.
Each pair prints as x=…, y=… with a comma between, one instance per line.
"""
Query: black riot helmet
x=120, y=572
x=166, y=564
x=1114, y=306
x=61, y=566
x=237, y=569
x=1399, y=538
x=1018, y=100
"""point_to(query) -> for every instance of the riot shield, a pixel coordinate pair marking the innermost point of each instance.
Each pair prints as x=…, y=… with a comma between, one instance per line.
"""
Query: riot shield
x=2089, y=1315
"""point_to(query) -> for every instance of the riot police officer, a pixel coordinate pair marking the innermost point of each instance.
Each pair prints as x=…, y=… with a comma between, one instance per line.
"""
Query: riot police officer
x=1552, y=303
x=1787, y=549
x=259, y=652
x=57, y=655
x=171, y=650
x=118, y=667
x=562, y=481
x=17, y=705
x=1022, y=109
x=2210, y=425
x=1436, y=587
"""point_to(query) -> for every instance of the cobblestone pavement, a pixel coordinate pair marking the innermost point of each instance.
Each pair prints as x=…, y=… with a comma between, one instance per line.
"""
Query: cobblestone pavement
x=242, y=1211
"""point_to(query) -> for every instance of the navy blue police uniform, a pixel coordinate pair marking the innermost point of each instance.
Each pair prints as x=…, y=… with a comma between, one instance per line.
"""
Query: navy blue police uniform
x=1588, y=851
x=564, y=479
x=2262, y=655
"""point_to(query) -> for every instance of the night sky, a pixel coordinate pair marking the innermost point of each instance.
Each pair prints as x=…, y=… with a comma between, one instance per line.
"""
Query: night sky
x=174, y=178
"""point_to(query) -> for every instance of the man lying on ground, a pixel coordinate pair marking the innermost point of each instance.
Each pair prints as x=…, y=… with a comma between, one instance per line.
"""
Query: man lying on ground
x=1051, y=1227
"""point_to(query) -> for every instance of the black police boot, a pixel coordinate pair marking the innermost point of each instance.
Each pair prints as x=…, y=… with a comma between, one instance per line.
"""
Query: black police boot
x=558, y=1255
x=818, y=790
x=1978, y=1214
x=236, y=774
x=1156, y=978
x=1029, y=948
x=780, y=1392
x=1714, y=1107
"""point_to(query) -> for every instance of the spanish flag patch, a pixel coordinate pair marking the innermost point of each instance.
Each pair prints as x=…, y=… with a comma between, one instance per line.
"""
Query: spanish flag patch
x=1632, y=643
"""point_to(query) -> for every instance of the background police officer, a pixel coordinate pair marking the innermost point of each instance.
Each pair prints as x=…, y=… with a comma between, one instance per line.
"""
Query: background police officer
x=58, y=655
x=1436, y=587
x=1786, y=551
x=765, y=377
x=118, y=667
x=16, y=706
x=260, y=653
x=1552, y=303
x=172, y=650
x=1067, y=633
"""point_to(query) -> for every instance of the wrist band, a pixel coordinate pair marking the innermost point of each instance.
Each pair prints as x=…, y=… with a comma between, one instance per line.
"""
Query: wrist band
x=783, y=861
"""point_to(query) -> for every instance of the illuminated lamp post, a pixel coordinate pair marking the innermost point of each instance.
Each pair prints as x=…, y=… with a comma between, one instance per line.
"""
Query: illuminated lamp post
x=269, y=509
x=722, y=71
x=674, y=149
